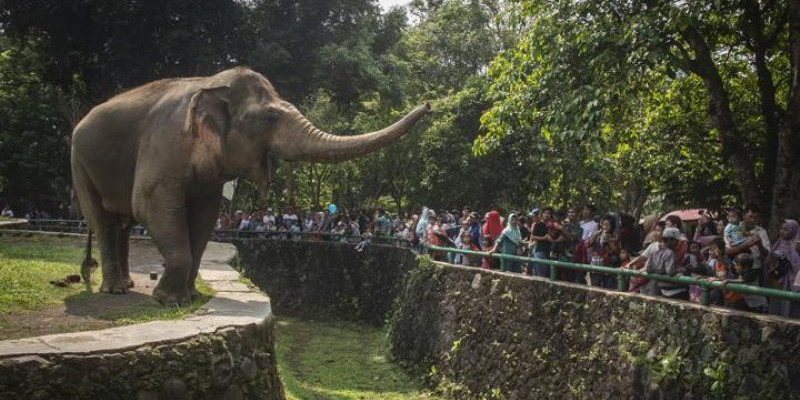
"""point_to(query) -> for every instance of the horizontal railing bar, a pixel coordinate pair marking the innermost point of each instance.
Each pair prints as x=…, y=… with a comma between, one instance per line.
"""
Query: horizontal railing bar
x=223, y=234
x=685, y=280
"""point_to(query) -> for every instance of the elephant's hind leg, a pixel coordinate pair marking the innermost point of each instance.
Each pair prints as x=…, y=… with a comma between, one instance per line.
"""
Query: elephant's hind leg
x=106, y=227
x=110, y=248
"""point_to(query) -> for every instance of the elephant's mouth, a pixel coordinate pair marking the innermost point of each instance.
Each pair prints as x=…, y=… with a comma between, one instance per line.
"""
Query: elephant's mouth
x=262, y=173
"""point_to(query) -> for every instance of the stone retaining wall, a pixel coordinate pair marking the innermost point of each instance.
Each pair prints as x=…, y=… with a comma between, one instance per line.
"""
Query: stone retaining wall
x=327, y=279
x=479, y=334
x=224, y=351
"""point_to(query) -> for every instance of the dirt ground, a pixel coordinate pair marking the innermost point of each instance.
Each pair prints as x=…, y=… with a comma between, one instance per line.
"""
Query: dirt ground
x=81, y=313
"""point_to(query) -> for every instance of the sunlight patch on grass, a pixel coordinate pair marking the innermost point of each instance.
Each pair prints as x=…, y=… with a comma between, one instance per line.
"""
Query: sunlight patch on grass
x=339, y=360
x=27, y=265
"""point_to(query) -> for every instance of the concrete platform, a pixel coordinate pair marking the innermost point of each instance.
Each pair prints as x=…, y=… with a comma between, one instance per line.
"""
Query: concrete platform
x=234, y=305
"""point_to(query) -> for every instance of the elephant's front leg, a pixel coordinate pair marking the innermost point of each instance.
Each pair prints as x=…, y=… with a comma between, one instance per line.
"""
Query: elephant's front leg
x=165, y=216
x=203, y=212
x=124, y=250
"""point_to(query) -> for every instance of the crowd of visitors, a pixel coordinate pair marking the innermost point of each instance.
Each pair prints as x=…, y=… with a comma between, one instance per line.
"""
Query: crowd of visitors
x=731, y=248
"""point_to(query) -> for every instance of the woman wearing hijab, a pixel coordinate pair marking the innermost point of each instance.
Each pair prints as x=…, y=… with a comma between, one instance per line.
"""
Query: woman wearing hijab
x=421, y=229
x=508, y=242
x=785, y=253
x=493, y=227
x=649, y=229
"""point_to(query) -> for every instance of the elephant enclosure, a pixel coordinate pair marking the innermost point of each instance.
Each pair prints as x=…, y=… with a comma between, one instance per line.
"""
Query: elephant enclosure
x=31, y=306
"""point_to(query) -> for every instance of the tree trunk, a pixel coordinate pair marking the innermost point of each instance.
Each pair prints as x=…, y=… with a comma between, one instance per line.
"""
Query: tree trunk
x=721, y=115
x=785, y=192
x=759, y=43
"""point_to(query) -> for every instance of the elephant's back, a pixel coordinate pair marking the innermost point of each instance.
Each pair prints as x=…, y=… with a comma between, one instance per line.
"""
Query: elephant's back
x=106, y=142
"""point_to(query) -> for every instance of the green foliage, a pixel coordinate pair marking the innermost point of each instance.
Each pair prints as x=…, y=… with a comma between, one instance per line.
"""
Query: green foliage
x=716, y=374
x=561, y=103
x=338, y=360
x=615, y=93
x=33, y=134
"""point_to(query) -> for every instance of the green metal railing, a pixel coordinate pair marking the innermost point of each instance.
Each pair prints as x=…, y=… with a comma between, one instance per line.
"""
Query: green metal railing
x=229, y=234
x=623, y=274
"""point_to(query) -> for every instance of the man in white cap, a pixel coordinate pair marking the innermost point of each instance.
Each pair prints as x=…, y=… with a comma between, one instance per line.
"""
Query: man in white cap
x=269, y=220
x=659, y=258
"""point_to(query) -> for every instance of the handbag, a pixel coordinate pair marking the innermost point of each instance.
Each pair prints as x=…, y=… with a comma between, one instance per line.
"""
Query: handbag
x=781, y=269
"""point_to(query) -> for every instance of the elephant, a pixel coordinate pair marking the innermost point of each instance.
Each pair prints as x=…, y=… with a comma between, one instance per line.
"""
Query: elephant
x=159, y=155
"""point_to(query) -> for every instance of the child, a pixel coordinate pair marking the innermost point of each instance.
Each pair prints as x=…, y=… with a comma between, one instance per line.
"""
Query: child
x=744, y=274
x=611, y=258
x=716, y=268
x=693, y=258
x=635, y=282
x=734, y=231
x=365, y=239
x=466, y=244
x=487, y=262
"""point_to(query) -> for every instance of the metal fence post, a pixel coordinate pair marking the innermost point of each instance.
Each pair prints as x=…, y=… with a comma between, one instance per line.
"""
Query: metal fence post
x=553, y=272
x=621, y=286
x=705, y=295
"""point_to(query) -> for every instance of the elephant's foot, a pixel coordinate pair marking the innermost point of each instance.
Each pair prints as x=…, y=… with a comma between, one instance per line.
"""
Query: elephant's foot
x=193, y=293
x=114, y=286
x=169, y=296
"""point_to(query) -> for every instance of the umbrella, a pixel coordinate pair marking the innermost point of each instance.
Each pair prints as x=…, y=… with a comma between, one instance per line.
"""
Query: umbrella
x=686, y=215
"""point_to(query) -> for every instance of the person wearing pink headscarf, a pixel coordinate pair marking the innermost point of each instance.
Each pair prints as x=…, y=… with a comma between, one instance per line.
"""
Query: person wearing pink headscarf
x=786, y=248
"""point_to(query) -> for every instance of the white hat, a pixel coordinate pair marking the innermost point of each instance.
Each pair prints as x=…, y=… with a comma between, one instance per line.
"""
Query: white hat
x=671, y=233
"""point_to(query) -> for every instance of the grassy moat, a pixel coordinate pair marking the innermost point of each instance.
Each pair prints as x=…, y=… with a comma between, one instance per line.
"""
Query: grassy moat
x=339, y=360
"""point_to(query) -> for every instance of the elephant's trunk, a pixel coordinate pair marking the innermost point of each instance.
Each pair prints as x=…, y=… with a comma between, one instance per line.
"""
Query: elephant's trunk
x=315, y=145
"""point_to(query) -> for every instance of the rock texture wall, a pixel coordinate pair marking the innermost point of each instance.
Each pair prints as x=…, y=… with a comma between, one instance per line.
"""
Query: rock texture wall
x=224, y=351
x=327, y=279
x=230, y=364
x=491, y=335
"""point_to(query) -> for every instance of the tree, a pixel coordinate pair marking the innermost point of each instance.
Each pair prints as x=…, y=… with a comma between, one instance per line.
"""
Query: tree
x=33, y=135
x=110, y=46
x=585, y=67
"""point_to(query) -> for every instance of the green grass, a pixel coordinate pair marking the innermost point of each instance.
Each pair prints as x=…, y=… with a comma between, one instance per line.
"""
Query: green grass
x=28, y=264
x=339, y=360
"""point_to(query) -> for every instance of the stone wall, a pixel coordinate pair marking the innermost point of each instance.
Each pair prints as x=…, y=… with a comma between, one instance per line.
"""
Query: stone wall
x=231, y=363
x=224, y=351
x=327, y=279
x=493, y=335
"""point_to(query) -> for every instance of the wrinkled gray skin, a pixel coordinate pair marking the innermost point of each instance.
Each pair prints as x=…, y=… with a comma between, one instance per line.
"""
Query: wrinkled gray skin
x=159, y=154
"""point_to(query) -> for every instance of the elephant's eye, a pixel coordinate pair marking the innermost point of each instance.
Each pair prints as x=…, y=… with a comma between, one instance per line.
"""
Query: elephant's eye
x=270, y=115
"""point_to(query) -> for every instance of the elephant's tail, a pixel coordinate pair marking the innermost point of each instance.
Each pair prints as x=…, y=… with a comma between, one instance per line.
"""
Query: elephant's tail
x=89, y=264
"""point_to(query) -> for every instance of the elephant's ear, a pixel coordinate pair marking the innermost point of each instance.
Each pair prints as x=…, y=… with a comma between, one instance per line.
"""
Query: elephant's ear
x=207, y=122
x=207, y=117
